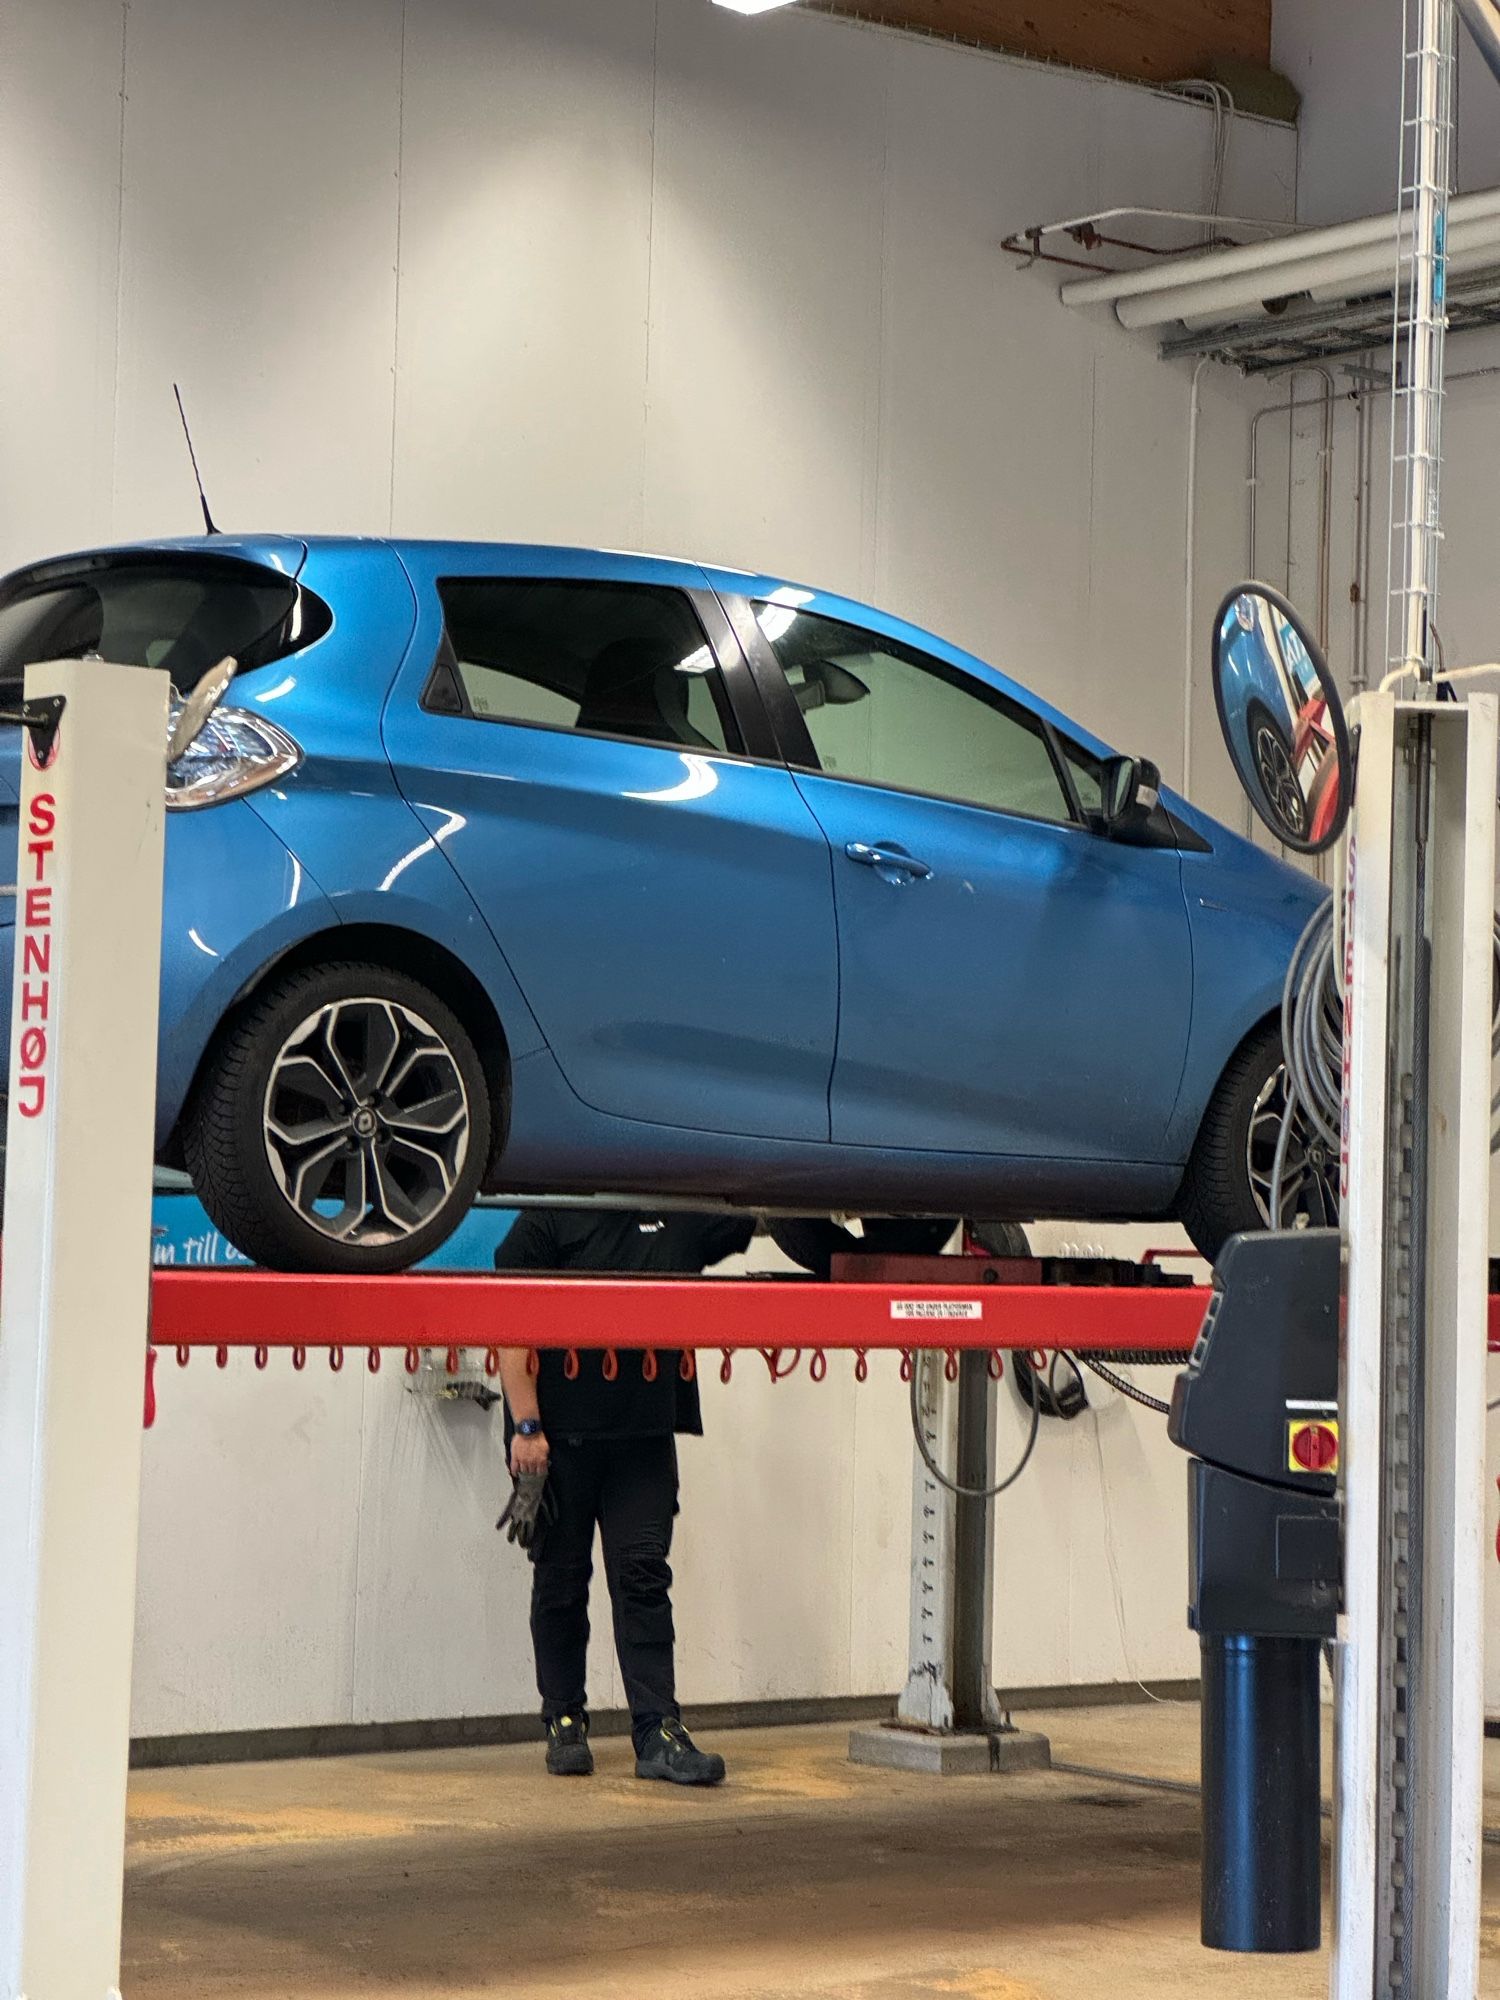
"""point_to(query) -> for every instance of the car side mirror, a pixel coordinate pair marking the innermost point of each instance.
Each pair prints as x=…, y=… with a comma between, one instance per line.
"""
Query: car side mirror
x=1129, y=792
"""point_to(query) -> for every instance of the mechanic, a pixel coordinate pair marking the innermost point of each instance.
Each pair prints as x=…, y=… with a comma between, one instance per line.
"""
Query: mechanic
x=608, y=1450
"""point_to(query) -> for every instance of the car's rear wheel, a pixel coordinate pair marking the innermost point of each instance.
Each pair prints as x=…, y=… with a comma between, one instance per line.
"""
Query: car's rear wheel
x=813, y=1241
x=1228, y=1184
x=341, y=1123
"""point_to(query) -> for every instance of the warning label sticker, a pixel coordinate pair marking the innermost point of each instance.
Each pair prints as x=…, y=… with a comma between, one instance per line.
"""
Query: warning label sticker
x=937, y=1309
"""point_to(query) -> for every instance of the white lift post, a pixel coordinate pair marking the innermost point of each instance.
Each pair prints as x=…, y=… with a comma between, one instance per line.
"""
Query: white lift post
x=948, y=1719
x=1410, y=1717
x=73, y=1319
x=933, y=1698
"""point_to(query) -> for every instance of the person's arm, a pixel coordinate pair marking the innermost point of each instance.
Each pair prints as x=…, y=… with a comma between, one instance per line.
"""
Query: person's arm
x=530, y=1245
x=721, y=1236
x=527, y=1454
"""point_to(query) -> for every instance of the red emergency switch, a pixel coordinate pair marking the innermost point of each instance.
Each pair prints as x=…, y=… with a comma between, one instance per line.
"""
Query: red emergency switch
x=1312, y=1445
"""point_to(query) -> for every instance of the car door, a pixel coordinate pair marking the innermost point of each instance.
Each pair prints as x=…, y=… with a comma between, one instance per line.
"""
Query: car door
x=1012, y=982
x=584, y=739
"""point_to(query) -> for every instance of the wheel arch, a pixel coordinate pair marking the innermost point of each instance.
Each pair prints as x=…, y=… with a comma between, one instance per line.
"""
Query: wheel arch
x=1269, y=1019
x=398, y=950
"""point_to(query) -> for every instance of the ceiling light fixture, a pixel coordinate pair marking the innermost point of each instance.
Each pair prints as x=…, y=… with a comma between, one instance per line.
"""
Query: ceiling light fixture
x=752, y=6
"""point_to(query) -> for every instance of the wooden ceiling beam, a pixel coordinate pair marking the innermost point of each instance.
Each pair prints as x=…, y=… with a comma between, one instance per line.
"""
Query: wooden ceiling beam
x=1154, y=41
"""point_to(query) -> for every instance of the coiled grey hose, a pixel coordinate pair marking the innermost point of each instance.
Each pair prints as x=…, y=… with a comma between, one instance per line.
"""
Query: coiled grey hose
x=1312, y=1041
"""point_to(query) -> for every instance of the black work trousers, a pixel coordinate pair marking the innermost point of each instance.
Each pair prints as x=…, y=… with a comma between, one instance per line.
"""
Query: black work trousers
x=627, y=1488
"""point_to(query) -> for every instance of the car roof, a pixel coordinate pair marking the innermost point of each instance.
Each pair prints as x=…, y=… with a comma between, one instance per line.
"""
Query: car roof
x=290, y=552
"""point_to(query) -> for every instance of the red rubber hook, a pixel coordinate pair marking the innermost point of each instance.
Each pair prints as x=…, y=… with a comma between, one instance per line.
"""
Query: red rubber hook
x=150, y=1410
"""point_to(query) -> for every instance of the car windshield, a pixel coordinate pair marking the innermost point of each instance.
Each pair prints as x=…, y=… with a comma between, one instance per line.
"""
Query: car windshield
x=182, y=615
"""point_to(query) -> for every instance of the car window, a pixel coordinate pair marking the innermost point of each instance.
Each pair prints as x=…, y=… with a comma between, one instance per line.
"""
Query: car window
x=179, y=613
x=887, y=715
x=1087, y=775
x=621, y=660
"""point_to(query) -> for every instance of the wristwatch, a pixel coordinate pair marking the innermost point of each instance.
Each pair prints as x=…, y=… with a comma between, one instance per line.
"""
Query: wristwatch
x=529, y=1427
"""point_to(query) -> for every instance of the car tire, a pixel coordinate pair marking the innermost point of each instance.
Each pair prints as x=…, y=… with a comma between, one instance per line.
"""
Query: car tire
x=1271, y=748
x=339, y=1084
x=1225, y=1189
x=813, y=1241
x=999, y=1239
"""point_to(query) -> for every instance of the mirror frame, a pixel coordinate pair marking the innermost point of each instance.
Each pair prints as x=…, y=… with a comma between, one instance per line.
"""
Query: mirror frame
x=1343, y=748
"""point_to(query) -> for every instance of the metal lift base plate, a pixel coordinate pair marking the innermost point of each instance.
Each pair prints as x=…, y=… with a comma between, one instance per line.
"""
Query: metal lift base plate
x=956, y=1755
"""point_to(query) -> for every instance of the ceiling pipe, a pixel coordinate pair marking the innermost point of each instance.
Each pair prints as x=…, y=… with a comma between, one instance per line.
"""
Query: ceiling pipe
x=1343, y=275
x=1167, y=274
x=1482, y=19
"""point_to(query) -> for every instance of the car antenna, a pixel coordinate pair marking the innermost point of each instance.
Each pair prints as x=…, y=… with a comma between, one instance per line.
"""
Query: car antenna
x=208, y=519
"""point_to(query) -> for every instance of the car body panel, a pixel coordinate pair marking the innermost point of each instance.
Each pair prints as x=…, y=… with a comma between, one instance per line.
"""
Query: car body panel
x=668, y=915
x=1030, y=951
x=559, y=1144
x=1244, y=906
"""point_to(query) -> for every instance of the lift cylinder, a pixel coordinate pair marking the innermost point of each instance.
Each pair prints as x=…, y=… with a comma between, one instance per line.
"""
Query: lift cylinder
x=1262, y=1832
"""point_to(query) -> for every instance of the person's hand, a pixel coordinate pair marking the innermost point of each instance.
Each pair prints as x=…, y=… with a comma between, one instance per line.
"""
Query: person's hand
x=531, y=1454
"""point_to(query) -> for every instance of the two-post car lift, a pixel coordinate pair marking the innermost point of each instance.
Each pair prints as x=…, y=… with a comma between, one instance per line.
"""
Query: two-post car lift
x=78, y=1296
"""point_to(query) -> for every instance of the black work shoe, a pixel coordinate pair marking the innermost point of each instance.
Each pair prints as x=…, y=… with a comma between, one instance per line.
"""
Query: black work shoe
x=568, y=1752
x=670, y=1753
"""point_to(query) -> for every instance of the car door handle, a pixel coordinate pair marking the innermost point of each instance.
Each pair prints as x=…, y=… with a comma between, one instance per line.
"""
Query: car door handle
x=891, y=862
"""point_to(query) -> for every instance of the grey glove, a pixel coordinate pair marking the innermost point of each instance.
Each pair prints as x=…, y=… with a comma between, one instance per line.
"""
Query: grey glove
x=529, y=1509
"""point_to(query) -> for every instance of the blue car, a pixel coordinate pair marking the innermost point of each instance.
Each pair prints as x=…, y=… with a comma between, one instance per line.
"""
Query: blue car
x=555, y=872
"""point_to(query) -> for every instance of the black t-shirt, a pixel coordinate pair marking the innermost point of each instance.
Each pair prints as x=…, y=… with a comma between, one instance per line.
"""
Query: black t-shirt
x=606, y=1241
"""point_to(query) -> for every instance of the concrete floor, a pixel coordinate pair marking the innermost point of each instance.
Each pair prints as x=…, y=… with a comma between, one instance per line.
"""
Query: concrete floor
x=470, y=1872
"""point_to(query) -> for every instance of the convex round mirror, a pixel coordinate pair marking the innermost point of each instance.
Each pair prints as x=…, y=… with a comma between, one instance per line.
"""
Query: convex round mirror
x=1282, y=719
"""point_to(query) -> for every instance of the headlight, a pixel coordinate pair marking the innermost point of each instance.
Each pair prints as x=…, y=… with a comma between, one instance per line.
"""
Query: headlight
x=234, y=753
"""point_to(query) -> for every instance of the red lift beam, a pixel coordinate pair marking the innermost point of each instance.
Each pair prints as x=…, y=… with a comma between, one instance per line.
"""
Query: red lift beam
x=219, y=1308
x=227, y=1308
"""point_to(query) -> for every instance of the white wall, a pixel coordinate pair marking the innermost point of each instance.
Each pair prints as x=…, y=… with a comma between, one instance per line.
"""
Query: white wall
x=1346, y=62
x=650, y=275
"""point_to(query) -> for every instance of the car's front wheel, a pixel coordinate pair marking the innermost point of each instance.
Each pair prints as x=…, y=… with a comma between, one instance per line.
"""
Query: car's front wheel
x=1276, y=769
x=1228, y=1184
x=341, y=1123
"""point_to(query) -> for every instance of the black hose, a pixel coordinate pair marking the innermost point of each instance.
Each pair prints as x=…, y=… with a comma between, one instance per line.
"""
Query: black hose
x=952, y=1485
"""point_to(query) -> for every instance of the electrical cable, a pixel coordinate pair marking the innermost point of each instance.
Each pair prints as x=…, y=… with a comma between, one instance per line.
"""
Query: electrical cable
x=952, y=1485
x=1312, y=1041
x=1121, y=1386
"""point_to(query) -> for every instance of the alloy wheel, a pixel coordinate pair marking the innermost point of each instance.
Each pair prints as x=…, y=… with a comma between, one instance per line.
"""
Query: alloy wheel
x=366, y=1121
x=1310, y=1173
x=1280, y=781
